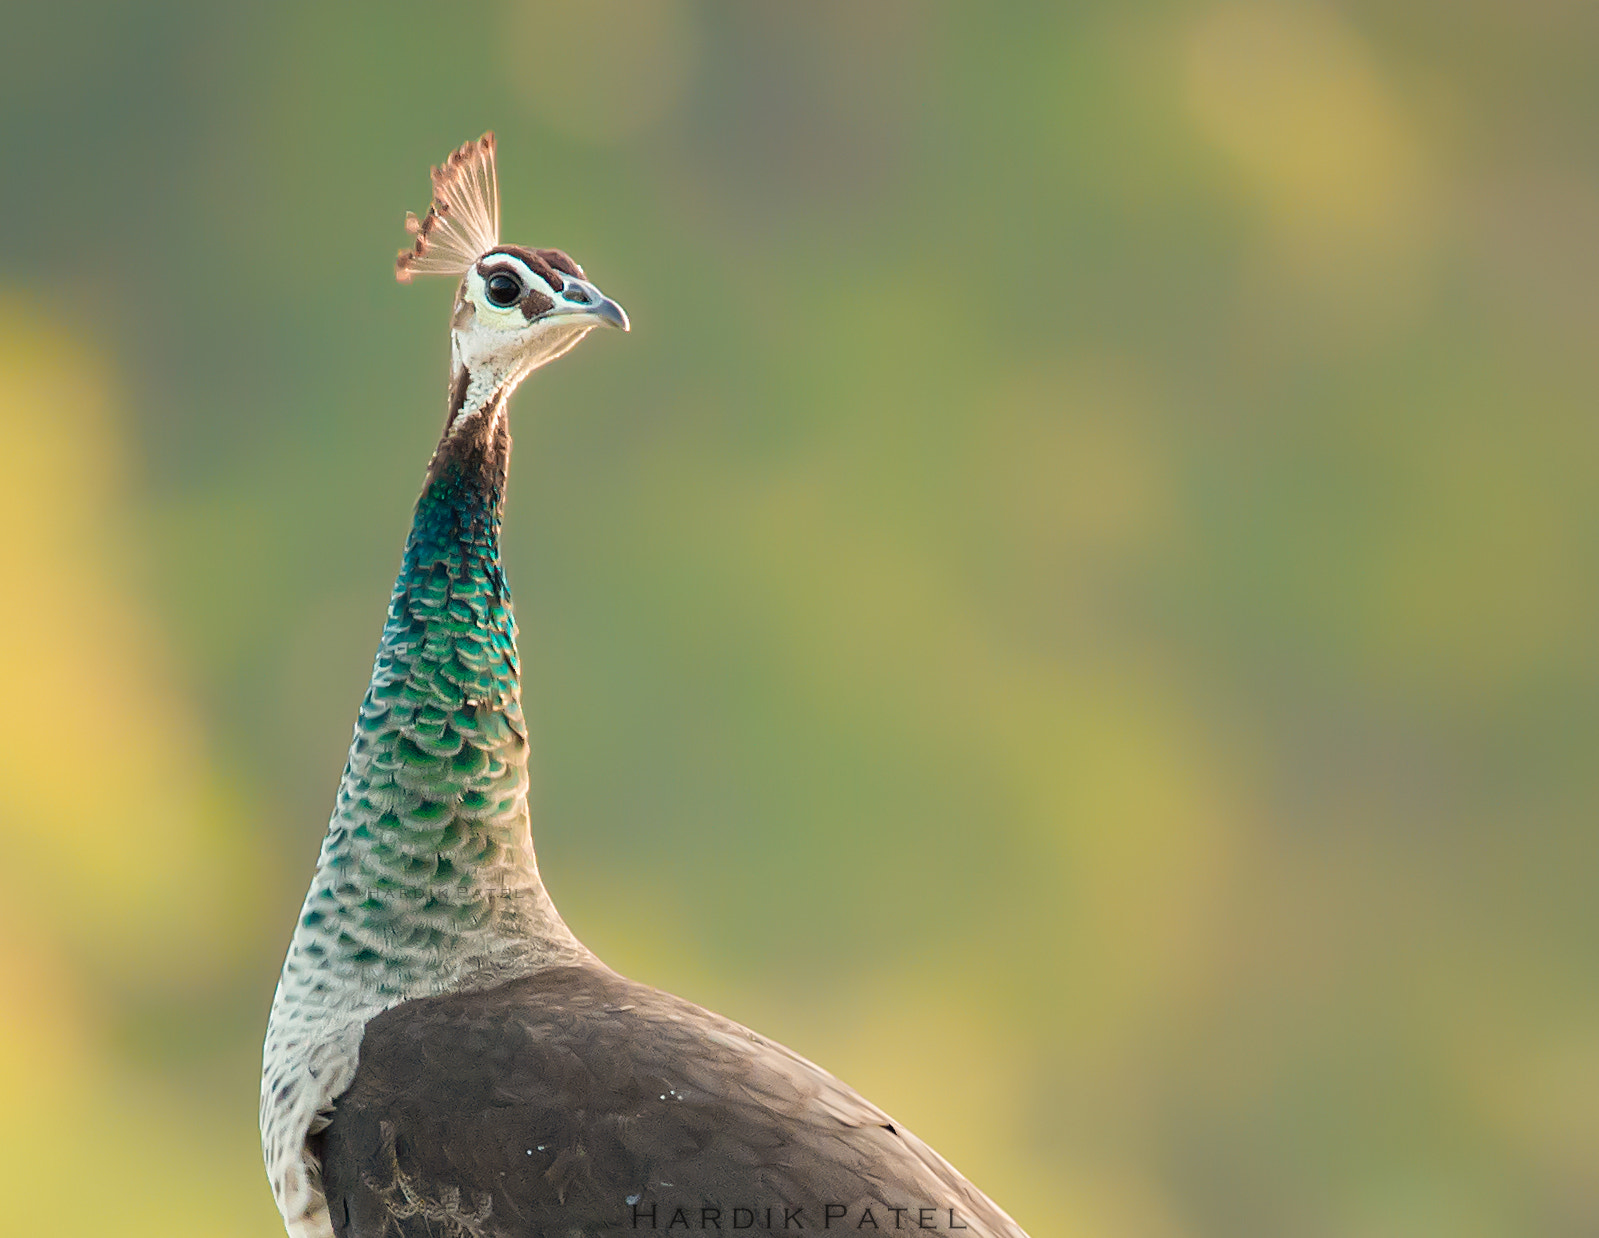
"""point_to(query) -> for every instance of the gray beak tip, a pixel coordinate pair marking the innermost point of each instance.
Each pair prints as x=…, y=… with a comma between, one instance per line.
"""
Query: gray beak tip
x=612, y=314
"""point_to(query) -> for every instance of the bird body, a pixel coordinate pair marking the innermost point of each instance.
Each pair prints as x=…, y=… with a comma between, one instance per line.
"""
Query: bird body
x=443, y=1056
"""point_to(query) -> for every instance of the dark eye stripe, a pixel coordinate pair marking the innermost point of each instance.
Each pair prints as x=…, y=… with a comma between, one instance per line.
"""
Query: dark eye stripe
x=536, y=303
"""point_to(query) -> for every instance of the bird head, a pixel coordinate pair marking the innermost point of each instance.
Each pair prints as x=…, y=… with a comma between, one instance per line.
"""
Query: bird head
x=519, y=308
x=515, y=308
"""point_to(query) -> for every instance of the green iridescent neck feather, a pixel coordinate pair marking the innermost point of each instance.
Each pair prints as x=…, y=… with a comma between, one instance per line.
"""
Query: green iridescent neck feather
x=428, y=856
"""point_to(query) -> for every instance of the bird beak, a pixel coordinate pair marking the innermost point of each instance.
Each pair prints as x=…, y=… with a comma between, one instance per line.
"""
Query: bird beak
x=582, y=300
x=609, y=312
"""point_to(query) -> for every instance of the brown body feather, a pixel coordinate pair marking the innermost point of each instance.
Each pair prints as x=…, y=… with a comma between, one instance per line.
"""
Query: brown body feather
x=577, y=1102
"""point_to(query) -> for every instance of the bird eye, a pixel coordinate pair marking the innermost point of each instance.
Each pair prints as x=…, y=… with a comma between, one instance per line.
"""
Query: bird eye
x=503, y=289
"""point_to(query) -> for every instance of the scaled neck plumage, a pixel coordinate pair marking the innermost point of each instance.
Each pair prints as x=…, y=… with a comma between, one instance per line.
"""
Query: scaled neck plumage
x=426, y=881
x=428, y=868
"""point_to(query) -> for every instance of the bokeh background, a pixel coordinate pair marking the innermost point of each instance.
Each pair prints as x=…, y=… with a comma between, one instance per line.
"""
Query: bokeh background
x=1075, y=607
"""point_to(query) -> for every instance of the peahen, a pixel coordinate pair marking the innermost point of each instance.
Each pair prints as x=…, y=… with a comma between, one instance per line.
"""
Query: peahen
x=443, y=1056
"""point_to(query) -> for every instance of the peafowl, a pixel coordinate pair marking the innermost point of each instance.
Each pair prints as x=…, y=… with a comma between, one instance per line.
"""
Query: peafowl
x=443, y=1056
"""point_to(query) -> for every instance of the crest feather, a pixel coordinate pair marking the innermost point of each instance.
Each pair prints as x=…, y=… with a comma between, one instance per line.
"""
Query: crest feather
x=463, y=223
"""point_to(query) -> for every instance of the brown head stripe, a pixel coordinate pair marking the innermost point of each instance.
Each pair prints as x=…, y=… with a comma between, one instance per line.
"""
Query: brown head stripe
x=557, y=259
x=543, y=262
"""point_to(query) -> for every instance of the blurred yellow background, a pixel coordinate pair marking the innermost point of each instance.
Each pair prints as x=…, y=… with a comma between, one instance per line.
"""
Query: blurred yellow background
x=1076, y=607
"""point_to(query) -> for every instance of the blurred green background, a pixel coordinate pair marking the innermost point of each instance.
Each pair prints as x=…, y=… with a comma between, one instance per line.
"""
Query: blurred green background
x=1075, y=607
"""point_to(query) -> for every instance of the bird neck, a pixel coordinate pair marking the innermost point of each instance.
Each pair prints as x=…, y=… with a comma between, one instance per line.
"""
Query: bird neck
x=455, y=531
x=427, y=879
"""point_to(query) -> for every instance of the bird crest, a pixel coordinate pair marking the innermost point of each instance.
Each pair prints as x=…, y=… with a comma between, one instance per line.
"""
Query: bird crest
x=463, y=222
